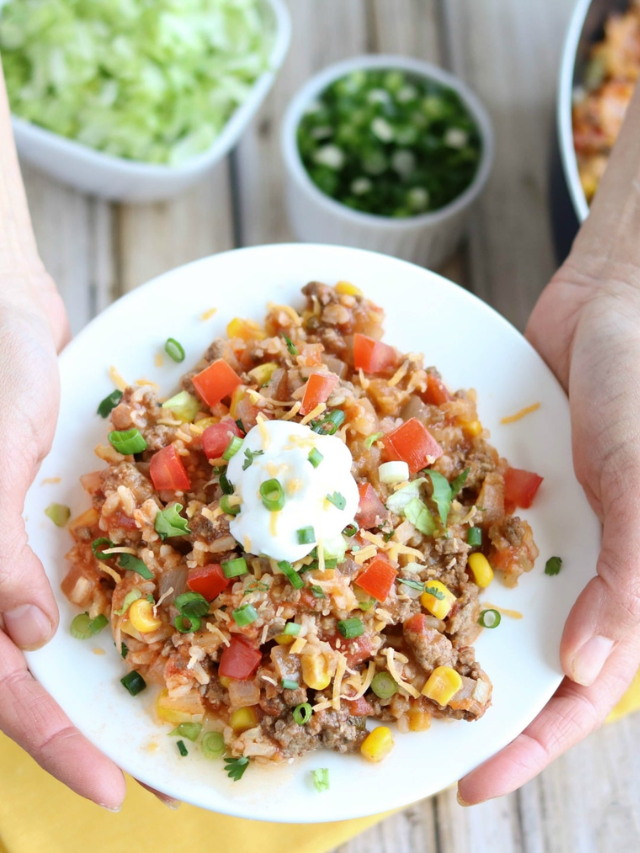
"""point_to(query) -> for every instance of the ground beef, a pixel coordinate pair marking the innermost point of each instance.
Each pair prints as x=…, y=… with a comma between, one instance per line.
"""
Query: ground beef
x=335, y=730
x=158, y=437
x=463, y=626
x=126, y=474
x=430, y=648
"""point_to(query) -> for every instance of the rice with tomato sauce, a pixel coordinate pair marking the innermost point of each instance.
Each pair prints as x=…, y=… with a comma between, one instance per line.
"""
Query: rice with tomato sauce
x=295, y=678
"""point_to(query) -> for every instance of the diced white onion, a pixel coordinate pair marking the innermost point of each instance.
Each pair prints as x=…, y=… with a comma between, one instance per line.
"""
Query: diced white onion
x=393, y=472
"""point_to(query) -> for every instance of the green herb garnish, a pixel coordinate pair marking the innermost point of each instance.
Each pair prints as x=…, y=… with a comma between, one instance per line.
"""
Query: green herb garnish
x=553, y=566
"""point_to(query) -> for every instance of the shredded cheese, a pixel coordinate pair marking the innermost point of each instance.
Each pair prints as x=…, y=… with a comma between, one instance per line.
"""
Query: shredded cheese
x=378, y=541
x=366, y=683
x=117, y=379
x=395, y=674
x=337, y=681
x=297, y=646
x=365, y=554
x=291, y=312
x=292, y=412
x=273, y=523
x=247, y=544
x=319, y=409
x=121, y=550
x=364, y=382
x=207, y=315
x=399, y=374
x=321, y=706
x=158, y=360
x=264, y=432
x=213, y=629
x=52, y=480
x=111, y=572
x=211, y=514
x=320, y=547
x=521, y=414
x=270, y=680
x=143, y=381
x=161, y=599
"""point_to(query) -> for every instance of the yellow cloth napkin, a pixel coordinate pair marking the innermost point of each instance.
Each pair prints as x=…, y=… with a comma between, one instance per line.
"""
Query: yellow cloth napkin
x=39, y=815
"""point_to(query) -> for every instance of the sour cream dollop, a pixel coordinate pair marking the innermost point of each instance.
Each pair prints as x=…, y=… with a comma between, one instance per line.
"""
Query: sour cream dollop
x=279, y=450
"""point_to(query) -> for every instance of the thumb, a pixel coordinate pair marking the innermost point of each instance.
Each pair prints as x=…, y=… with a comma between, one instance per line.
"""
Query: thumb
x=608, y=609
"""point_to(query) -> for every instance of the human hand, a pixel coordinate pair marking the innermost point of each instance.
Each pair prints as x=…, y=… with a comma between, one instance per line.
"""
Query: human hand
x=33, y=327
x=586, y=326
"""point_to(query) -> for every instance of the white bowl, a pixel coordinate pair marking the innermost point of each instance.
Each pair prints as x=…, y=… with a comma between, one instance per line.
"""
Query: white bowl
x=119, y=179
x=520, y=657
x=427, y=239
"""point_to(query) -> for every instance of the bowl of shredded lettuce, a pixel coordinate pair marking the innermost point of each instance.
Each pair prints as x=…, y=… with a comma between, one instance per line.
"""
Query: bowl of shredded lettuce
x=133, y=100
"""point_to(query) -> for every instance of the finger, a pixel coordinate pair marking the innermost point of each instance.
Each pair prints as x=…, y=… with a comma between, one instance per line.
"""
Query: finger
x=30, y=717
x=165, y=799
x=608, y=608
x=572, y=714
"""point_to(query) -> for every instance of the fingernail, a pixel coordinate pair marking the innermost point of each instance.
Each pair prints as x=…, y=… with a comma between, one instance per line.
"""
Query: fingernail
x=462, y=802
x=28, y=626
x=111, y=808
x=589, y=660
x=170, y=804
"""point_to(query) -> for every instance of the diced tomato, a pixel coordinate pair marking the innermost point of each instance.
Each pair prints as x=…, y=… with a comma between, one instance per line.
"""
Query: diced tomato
x=356, y=650
x=373, y=356
x=416, y=624
x=412, y=443
x=167, y=470
x=371, y=510
x=360, y=707
x=377, y=579
x=437, y=392
x=216, y=438
x=520, y=487
x=239, y=660
x=208, y=580
x=317, y=390
x=216, y=382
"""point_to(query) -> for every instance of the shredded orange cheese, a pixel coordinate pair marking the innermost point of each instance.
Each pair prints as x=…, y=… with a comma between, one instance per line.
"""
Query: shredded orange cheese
x=297, y=646
x=213, y=629
x=247, y=543
x=51, y=480
x=365, y=554
x=399, y=374
x=291, y=312
x=117, y=379
x=514, y=614
x=521, y=414
x=321, y=706
x=273, y=523
x=264, y=432
x=208, y=314
x=98, y=651
x=319, y=409
x=158, y=360
x=337, y=681
x=111, y=572
x=143, y=381
x=395, y=674
x=366, y=682
x=292, y=412
x=364, y=382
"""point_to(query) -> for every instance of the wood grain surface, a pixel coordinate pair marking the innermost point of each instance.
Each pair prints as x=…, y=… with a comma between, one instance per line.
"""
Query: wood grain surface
x=508, y=51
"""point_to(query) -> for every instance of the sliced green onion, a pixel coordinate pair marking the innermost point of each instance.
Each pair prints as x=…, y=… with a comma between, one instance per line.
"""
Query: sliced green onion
x=169, y=522
x=371, y=439
x=124, y=650
x=350, y=530
x=232, y=448
x=294, y=578
x=109, y=403
x=490, y=619
x=132, y=564
x=329, y=424
x=226, y=507
x=306, y=535
x=288, y=684
x=129, y=598
x=367, y=604
x=337, y=500
x=317, y=592
x=83, y=626
x=174, y=349
x=183, y=405
x=474, y=536
x=187, y=624
x=302, y=714
x=100, y=545
x=315, y=457
x=127, y=441
x=212, y=745
x=383, y=685
x=192, y=604
x=189, y=730
x=134, y=683
x=240, y=425
x=234, y=568
x=272, y=495
x=225, y=485
x=58, y=513
x=292, y=629
x=320, y=779
x=290, y=345
x=182, y=749
x=250, y=455
x=351, y=628
x=244, y=615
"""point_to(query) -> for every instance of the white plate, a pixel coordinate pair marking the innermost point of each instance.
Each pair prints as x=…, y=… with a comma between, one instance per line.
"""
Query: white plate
x=473, y=347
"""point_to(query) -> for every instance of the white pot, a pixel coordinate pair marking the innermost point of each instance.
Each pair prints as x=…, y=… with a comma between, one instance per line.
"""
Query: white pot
x=119, y=179
x=427, y=239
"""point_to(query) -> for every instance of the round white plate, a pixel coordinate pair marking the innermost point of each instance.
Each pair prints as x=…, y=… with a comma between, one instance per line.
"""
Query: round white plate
x=474, y=348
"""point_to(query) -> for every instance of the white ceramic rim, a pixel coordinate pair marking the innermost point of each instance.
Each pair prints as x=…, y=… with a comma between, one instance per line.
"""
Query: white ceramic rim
x=232, y=129
x=565, y=111
x=319, y=82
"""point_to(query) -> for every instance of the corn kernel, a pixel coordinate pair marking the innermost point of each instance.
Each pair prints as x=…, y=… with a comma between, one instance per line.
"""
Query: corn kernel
x=315, y=671
x=242, y=719
x=481, y=569
x=438, y=607
x=183, y=709
x=88, y=518
x=238, y=394
x=378, y=744
x=127, y=628
x=419, y=720
x=284, y=639
x=142, y=618
x=442, y=685
x=225, y=681
x=471, y=428
x=263, y=372
x=345, y=287
x=199, y=427
x=248, y=330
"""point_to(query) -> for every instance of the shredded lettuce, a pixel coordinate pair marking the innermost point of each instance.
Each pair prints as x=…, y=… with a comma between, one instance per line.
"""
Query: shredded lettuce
x=418, y=514
x=399, y=499
x=149, y=80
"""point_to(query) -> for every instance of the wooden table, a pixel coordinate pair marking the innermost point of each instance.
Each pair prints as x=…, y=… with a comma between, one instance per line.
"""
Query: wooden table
x=508, y=50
